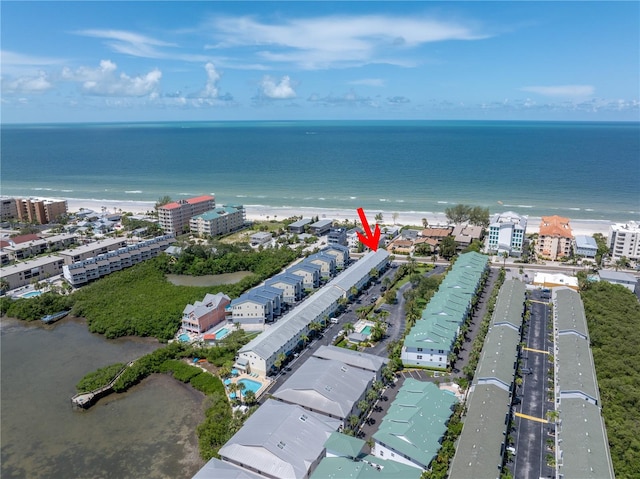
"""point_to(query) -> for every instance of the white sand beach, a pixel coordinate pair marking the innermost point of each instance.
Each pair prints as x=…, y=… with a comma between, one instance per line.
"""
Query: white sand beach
x=262, y=213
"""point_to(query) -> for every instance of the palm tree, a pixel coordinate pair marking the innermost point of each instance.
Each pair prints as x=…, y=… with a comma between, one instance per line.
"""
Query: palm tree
x=348, y=328
x=233, y=388
x=241, y=387
x=315, y=327
x=353, y=421
x=372, y=395
x=4, y=284
x=304, y=338
x=363, y=405
x=249, y=397
x=378, y=218
x=280, y=360
x=504, y=255
x=224, y=371
x=425, y=223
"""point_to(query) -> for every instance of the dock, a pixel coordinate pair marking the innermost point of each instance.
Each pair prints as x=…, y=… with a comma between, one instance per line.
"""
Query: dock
x=87, y=399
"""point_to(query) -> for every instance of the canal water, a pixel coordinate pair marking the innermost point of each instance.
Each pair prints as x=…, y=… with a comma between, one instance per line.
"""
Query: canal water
x=147, y=432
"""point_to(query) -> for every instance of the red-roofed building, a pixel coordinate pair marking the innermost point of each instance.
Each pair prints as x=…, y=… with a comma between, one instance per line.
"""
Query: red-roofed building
x=555, y=237
x=174, y=217
x=24, y=238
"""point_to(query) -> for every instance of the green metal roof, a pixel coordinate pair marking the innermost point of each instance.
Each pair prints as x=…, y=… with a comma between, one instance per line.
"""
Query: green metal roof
x=369, y=467
x=346, y=445
x=584, y=446
x=479, y=450
x=416, y=420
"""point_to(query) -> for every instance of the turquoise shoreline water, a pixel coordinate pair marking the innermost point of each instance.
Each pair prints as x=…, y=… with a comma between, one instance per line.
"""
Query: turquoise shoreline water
x=580, y=170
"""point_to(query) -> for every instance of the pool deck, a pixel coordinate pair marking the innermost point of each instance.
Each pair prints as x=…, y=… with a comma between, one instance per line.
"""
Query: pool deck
x=259, y=379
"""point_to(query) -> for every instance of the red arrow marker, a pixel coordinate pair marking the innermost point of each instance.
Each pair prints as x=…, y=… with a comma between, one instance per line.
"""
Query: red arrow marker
x=369, y=240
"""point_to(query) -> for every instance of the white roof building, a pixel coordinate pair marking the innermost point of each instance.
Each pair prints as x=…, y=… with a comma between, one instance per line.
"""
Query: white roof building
x=326, y=386
x=281, y=441
x=624, y=240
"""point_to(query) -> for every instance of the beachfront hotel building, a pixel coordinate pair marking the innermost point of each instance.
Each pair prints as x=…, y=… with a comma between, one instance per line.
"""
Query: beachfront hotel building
x=506, y=234
x=285, y=336
x=8, y=209
x=40, y=211
x=555, y=238
x=624, y=240
x=175, y=217
x=219, y=221
x=412, y=430
x=204, y=315
x=86, y=270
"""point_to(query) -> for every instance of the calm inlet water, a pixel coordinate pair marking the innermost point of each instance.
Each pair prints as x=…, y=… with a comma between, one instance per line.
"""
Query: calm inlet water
x=148, y=432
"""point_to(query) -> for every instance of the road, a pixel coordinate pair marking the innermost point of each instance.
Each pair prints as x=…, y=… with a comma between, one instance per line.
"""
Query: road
x=531, y=436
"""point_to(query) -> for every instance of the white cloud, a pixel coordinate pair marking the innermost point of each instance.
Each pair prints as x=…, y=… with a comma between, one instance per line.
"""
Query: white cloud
x=277, y=90
x=27, y=84
x=138, y=45
x=129, y=43
x=103, y=81
x=335, y=41
x=561, y=90
x=376, y=82
x=211, y=88
x=349, y=99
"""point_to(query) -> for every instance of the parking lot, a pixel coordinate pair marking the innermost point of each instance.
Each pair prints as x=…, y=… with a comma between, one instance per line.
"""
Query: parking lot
x=533, y=397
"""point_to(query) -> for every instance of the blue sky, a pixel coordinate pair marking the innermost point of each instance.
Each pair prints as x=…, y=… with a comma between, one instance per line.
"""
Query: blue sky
x=192, y=61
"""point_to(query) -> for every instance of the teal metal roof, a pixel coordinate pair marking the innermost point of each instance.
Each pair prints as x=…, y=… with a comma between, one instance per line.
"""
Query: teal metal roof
x=416, y=421
x=369, y=467
x=344, y=445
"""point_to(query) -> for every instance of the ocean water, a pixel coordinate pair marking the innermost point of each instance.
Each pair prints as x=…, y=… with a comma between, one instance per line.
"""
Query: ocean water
x=579, y=170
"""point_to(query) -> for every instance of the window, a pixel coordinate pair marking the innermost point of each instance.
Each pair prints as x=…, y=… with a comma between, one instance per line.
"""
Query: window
x=419, y=356
x=419, y=350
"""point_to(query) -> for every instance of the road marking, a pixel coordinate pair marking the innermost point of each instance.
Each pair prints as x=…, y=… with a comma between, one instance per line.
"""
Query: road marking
x=538, y=301
x=532, y=418
x=535, y=350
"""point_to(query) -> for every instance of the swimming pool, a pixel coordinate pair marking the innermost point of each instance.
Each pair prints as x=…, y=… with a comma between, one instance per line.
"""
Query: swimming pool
x=250, y=385
x=184, y=337
x=221, y=333
x=366, y=330
x=31, y=294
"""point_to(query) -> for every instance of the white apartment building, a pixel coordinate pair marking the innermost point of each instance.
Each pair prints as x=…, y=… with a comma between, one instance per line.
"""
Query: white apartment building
x=219, y=221
x=174, y=217
x=624, y=240
x=86, y=270
x=506, y=234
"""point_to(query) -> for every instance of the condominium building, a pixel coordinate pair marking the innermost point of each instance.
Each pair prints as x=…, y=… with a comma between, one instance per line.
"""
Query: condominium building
x=203, y=315
x=624, y=240
x=40, y=211
x=411, y=432
x=8, y=208
x=506, y=234
x=95, y=267
x=39, y=269
x=555, y=238
x=219, y=221
x=174, y=217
